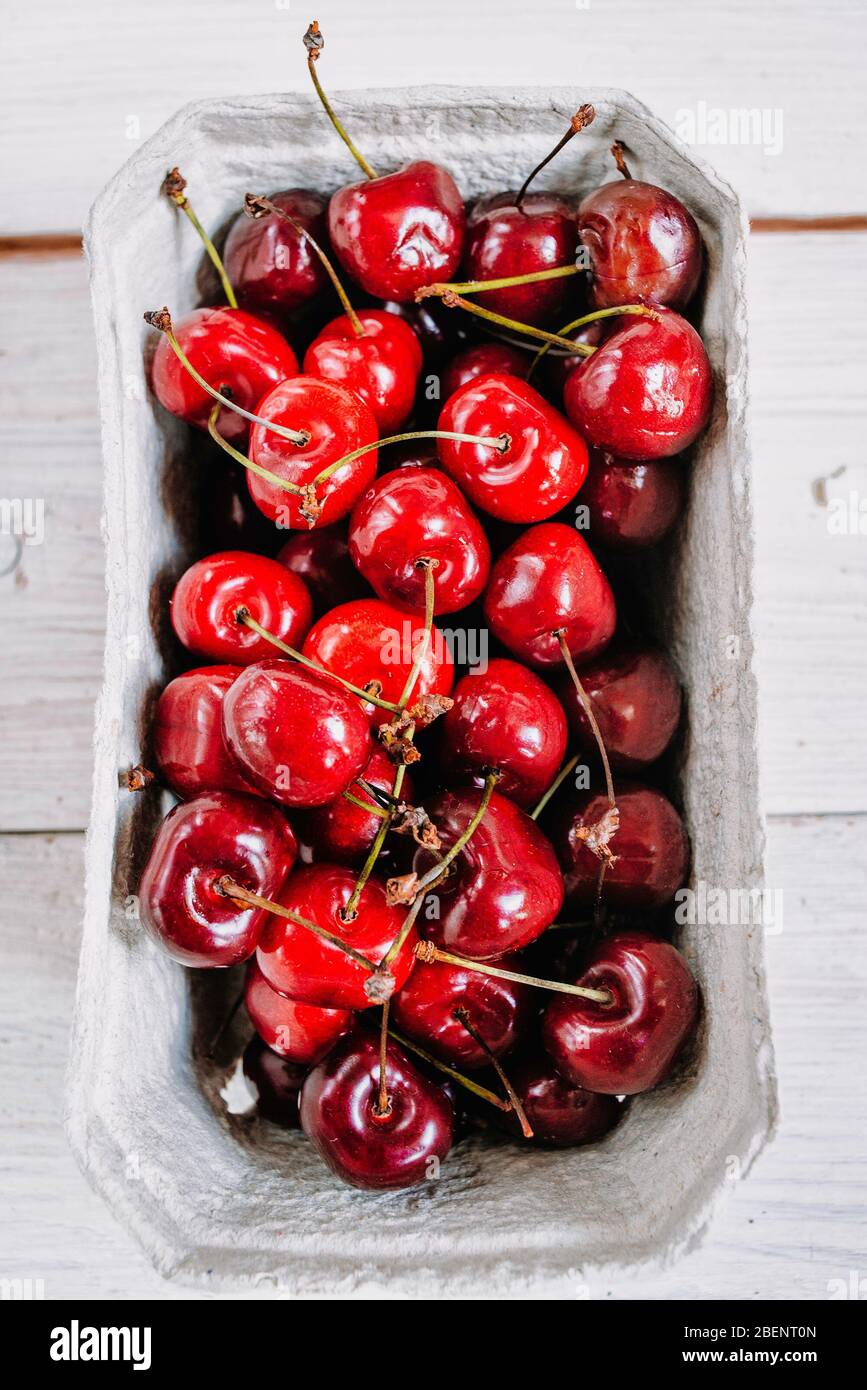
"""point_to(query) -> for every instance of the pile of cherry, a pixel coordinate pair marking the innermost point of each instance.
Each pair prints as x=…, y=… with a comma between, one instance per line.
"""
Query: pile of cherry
x=449, y=882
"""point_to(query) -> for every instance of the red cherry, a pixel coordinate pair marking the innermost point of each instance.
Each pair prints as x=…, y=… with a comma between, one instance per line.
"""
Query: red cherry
x=269, y=265
x=505, y=717
x=636, y=701
x=302, y=966
x=645, y=248
x=341, y=832
x=632, y=1043
x=208, y=595
x=368, y=1150
x=647, y=391
x=397, y=233
x=188, y=735
x=483, y=359
x=381, y=366
x=499, y=1010
x=300, y=1032
x=321, y=559
x=338, y=422
x=276, y=1082
x=296, y=735
x=542, y=468
x=414, y=514
x=198, y=843
x=228, y=348
x=548, y=581
x=438, y=330
x=558, y=368
x=651, y=848
x=631, y=505
x=561, y=1116
x=504, y=240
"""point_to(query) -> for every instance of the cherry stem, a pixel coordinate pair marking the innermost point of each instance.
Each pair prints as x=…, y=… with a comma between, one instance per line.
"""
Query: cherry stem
x=454, y=301
x=588, y=710
x=228, y=888
x=501, y=443
x=636, y=310
x=617, y=151
x=584, y=116
x=314, y=42
x=247, y=463
x=383, y=1104
x=463, y=1017
x=481, y=1091
x=554, y=787
x=406, y=928
x=429, y=954
x=135, y=779
x=367, y=806
x=256, y=204
x=428, y=566
x=505, y=282
x=173, y=186
x=224, y=1026
x=350, y=911
x=435, y=874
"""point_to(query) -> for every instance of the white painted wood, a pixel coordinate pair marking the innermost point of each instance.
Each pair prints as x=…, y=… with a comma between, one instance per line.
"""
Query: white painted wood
x=83, y=85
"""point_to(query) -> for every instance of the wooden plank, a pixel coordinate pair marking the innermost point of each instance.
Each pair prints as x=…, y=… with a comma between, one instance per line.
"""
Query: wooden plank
x=687, y=59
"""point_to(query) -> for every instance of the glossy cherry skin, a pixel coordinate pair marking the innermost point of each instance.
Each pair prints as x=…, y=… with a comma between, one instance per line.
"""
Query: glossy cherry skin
x=338, y=422
x=651, y=845
x=341, y=833
x=297, y=736
x=505, y=717
x=503, y=240
x=208, y=595
x=630, y=1045
x=561, y=1115
x=413, y=514
x=197, y=844
x=499, y=1010
x=382, y=366
x=647, y=391
x=548, y=580
x=505, y=886
x=542, y=468
x=269, y=265
x=188, y=734
x=632, y=505
x=302, y=966
x=302, y=1033
x=338, y=1115
x=483, y=359
x=276, y=1082
x=645, y=248
x=321, y=559
x=636, y=700
x=397, y=233
x=228, y=348
x=371, y=640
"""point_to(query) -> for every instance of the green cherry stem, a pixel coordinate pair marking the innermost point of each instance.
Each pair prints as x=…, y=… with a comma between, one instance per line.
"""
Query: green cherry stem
x=501, y=443
x=174, y=185
x=428, y=566
x=584, y=116
x=429, y=954
x=455, y=301
x=636, y=310
x=463, y=1017
x=554, y=787
x=367, y=806
x=505, y=282
x=248, y=463
x=314, y=42
x=228, y=888
x=473, y=1086
x=433, y=875
x=383, y=1104
x=256, y=206
x=588, y=711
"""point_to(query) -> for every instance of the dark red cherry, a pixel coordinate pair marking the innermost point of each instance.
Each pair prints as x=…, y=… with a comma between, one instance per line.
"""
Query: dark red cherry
x=230, y=519
x=499, y=1011
x=188, y=734
x=483, y=359
x=505, y=717
x=228, y=348
x=270, y=266
x=381, y=366
x=644, y=247
x=543, y=466
x=302, y=1033
x=504, y=888
x=504, y=240
x=276, y=1082
x=651, y=848
x=298, y=737
x=557, y=366
x=339, y=1115
x=338, y=422
x=321, y=559
x=636, y=699
x=548, y=580
x=647, y=391
x=198, y=843
x=413, y=514
x=632, y=1043
x=631, y=505
x=438, y=330
x=302, y=966
x=561, y=1115
x=397, y=233
x=341, y=833
x=208, y=595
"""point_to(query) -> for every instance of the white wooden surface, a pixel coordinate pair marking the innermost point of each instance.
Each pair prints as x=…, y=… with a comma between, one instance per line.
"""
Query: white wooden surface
x=73, y=78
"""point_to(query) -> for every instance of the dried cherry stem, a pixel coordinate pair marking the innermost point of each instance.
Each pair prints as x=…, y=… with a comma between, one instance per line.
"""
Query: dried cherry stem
x=256, y=205
x=228, y=888
x=501, y=443
x=247, y=463
x=622, y=167
x=367, y=806
x=454, y=301
x=224, y=1026
x=554, y=787
x=383, y=1105
x=135, y=779
x=314, y=42
x=505, y=282
x=463, y=1017
x=473, y=1086
x=428, y=954
x=635, y=310
x=174, y=185
x=588, y=710
x=584, y=116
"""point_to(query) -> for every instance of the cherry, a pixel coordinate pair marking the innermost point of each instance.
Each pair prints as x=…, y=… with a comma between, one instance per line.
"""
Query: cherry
x=439, y=333
x=321, y=559
x=341, y=832
x=499, y=1010
x=636, y=699
x=296, y=735
x=542, y=468
x=229, y=348
x=271, y=266
x=339, y=1115
x=188, y=735
x=548, y=581
x=504, y=239
x=561, y=1116
x=646, y=392
x=230, y=520
x=198, y=843
x=381, y=365
x=303, y=966
x=505, y=717
x=483, y=359
x=209, y=594
x=413, y=514
x=651, y=850
x=559, y=365
x=631, y=1044
x=302, y=1033
x=631, y=505
x=276, y=1081
x=644, y=247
